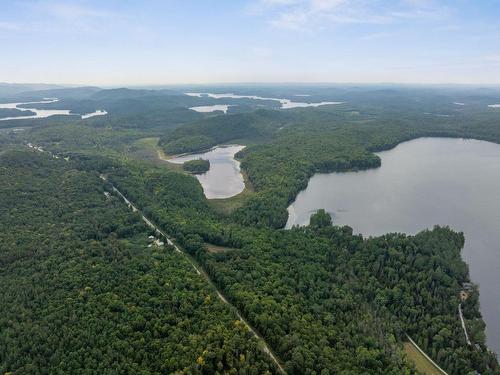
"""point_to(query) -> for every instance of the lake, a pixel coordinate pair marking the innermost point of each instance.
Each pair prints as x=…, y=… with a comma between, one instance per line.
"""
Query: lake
x=42, y=113
x=421, y=183
x=211, y=108
x=99, y=112
x=285, y=103
x=223, y=179
x=39, y=113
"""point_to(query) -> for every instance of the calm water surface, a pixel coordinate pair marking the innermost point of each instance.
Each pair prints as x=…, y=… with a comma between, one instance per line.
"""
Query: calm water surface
x=421, y=183
x=43, y=113
x=223, y=179
x=99, y=112
x=285, y=103
x=211, y=108
x=39, y=113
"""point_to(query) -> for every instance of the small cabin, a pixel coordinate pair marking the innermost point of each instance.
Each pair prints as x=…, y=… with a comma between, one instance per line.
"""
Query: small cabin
x=468, y=286
x=463, y=295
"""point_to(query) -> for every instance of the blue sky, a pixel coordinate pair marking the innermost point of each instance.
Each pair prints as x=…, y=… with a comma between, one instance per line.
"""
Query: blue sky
x=125, y=42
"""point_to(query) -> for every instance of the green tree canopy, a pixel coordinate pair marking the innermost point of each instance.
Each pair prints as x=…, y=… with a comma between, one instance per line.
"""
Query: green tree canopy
x=320, y=219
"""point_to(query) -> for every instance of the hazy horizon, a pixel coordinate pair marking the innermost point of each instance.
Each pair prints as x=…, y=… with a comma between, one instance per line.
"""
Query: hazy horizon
x=158, y=86
x=116, y=43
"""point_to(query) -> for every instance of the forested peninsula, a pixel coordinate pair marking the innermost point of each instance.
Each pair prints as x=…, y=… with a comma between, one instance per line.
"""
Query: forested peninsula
x=12, y=112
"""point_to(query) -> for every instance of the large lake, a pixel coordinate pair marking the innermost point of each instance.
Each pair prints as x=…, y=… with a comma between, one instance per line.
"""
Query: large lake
x=223, y=179
x=285, y=103
x=421, y=183
x=43, y=113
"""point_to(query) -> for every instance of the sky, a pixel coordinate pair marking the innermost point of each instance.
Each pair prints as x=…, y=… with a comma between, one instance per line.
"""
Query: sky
x=126, y=42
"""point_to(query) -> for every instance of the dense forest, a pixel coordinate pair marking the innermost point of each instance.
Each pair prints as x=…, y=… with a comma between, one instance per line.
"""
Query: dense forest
x=83, y=291
x=306, y=286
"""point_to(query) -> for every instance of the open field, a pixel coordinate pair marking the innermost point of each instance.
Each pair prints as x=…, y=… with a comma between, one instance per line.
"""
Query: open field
x=147, y=149
x=422, y=364
x=214, y=249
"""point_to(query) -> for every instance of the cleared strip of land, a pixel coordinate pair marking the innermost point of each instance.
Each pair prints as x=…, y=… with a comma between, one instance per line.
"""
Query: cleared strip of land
x=422, y=362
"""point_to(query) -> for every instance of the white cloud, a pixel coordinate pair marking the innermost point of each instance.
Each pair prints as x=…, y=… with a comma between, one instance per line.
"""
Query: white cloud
x=293, y=20
x=279, y=2
x=310, y=14
x=73, y=17
x=326, y=5
x=72, y=11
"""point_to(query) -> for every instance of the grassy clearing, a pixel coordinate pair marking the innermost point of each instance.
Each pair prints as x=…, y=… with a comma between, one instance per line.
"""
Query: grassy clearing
x=151, y=143
x=147, y=149
x=214, y=249
x=422, y=364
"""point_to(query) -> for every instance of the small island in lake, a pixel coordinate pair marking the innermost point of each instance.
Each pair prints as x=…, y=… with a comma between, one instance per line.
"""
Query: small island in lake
x=198, y=166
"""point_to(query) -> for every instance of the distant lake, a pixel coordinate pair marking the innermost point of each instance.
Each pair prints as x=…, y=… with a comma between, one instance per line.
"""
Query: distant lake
x=421, y=183
x=223, y=179
x=285, y=103
x=99, y=112
x=39, y=113
x=211, y=108
x=43, y=113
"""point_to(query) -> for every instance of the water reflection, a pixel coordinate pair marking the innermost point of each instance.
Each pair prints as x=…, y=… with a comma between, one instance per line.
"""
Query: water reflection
x=39, y=113
x=43, y=113
x=421, y=183
x=223, y=179
x=211, y=108
x=285, y=103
